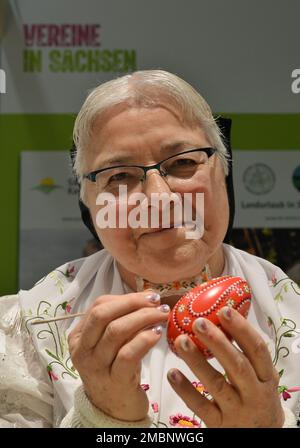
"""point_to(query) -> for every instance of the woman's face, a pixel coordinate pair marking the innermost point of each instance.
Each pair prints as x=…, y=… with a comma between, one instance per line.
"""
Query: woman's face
x=146, y=136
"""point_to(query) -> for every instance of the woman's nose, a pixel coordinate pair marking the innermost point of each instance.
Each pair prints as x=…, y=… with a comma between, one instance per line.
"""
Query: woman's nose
x=155, y=183
x=160, y=206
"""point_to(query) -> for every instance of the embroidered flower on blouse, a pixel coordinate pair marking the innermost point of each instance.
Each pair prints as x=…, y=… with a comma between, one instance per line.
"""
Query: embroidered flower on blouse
x=66, y=306
x=154, y=406
x=145, y=387
x=70, y=271
x=51, y=374
x=176, y=285
x=274, y=279
x=286, y=392
x=183, y=421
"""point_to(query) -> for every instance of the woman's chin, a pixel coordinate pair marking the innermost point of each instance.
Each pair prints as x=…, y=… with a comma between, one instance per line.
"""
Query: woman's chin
x=176, y=263
x=163, y=239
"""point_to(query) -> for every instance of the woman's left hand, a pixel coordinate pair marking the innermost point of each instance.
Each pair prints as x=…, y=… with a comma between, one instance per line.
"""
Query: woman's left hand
x=250, y=397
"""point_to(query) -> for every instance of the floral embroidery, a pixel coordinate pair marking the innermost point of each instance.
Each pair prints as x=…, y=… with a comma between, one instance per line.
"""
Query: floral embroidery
x=274, y=279
x=177, y=420
x=177, y=286
x=285, y=391
x=66, y=306
x=51, y=374
x=59, y=354
x=154, y=406
x=284, y=287
x=70, y=273
x=174, y=286
x=58, y=281
x=287, y=329
x=183, y=421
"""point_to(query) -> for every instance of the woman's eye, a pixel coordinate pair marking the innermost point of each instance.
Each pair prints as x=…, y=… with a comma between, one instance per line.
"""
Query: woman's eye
x=119, y=177
x=183, y=163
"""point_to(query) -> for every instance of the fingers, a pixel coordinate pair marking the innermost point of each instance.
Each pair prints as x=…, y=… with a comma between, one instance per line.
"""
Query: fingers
x=122, y=330
x=251, y=373
x=105, y=310
x=214, y=382
x=107, y=348
x=250, y=342
x=237, y=367
x=128, y=362
x=201, y=406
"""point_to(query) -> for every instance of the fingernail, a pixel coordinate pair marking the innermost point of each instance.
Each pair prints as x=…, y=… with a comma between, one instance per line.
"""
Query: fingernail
x=153, y=297
x=164, y=308
x=173, y=376
x=201, y=325
x=157, y=329
x=185, y=343
x=227, y=312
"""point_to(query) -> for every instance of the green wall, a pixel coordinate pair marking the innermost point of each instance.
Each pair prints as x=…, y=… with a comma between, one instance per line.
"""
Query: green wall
x=19, y=133
x=54, y=132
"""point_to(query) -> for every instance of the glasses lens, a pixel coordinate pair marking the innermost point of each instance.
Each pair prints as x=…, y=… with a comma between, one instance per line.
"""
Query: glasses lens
x=184, y=166
x=110, y=180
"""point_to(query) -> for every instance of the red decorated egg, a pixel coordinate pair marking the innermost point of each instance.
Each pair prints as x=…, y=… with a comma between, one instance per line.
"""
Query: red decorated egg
x=206, y=300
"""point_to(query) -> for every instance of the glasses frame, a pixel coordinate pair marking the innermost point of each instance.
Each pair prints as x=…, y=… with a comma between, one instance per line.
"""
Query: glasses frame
x=157, y=166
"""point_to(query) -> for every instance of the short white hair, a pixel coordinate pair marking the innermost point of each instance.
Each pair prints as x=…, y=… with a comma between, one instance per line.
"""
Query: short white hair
x=147, y=88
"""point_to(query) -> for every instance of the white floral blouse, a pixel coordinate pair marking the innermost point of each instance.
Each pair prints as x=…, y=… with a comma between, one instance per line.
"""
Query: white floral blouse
x=37, y=378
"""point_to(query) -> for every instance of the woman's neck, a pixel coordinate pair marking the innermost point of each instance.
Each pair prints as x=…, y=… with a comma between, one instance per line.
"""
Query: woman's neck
x=216, y=266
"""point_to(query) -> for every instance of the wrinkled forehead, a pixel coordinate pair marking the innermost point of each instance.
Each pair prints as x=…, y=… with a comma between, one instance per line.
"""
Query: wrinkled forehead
x=130, y=125
x=101, y=119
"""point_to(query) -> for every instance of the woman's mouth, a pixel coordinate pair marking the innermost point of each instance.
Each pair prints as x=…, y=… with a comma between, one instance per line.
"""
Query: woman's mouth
x=158, y=230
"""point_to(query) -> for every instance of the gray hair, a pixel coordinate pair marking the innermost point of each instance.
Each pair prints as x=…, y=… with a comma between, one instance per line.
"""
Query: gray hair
x=147, y=88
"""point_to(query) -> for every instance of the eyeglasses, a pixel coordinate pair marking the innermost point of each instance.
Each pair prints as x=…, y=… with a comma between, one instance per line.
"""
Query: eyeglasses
x=174, y=169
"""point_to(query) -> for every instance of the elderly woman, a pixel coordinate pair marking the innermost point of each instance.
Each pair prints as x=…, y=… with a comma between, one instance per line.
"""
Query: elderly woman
x=150, y=132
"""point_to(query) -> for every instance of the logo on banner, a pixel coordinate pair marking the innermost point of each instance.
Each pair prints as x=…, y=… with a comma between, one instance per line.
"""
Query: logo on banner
x=46, y=185
x=2, y=81
x=259, y=179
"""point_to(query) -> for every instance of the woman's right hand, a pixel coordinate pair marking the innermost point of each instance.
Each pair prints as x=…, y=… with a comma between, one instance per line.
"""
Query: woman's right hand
x=108, y=345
